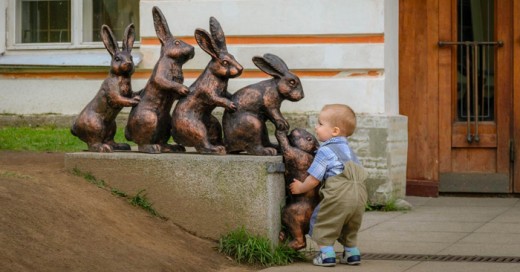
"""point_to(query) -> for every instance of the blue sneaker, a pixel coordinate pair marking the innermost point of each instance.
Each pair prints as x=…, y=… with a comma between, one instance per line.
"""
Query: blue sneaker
x=352, y=257
x=325, y=259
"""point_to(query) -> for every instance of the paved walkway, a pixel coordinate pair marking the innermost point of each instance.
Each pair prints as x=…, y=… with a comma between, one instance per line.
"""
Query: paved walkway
x=437, y=226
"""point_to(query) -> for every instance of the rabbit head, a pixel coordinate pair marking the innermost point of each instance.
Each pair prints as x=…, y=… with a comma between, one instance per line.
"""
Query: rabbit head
x=303, y=140
x=122, y=62
x=223, y=64
x=170, y=46
x=287, y=83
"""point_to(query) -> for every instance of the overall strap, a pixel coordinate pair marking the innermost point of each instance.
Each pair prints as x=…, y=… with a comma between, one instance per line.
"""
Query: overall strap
x=336, y=148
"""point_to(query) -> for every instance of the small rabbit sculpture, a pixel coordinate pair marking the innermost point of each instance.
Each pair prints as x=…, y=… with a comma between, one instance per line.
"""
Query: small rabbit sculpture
x=149, y=123
x=245, y=128
x=298, y=153
x=192, y=121
x=96, y=125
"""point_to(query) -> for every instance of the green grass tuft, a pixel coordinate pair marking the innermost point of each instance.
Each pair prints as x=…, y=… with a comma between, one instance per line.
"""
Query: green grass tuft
x=16, y=175
x=118, y=193
x=390, y=206
x=256, y=250
x=90, y=178
x=140, y=200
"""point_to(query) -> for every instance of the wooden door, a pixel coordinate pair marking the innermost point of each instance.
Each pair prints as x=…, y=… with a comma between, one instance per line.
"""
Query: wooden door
x=476, y=145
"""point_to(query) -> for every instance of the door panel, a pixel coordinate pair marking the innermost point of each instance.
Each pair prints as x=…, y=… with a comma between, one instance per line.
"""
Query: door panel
x=475, y=97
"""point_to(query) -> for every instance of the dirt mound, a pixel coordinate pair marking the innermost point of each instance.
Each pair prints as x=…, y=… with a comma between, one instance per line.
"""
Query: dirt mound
x=51, y=220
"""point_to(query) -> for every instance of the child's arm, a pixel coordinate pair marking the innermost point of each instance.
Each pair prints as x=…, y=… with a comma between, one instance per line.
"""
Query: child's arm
x=298, y=187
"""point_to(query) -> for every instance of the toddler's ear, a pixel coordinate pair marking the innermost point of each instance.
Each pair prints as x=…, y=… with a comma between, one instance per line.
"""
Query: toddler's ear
x=336, y=131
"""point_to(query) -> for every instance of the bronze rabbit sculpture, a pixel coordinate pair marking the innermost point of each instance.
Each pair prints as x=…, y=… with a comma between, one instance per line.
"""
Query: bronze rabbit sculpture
x=149, y=123
x=245, y=128
x=192, y=121
x=298, y=151
x=96, y=125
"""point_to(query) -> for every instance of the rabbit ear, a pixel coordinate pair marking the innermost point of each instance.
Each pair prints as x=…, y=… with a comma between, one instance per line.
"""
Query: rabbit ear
x=266, y=66
x=277, y=63
x=218, y=34
x=205, y=42
x=161, y=25
x=109, y=40
x=129, y=38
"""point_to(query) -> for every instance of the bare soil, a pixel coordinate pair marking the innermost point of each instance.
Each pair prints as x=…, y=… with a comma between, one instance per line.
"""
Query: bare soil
x=51, y=220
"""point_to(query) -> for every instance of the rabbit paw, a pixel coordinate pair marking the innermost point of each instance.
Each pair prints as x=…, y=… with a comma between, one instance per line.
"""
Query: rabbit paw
x=282, y=236
x=282, y=124
x=135, y=100
x=172, y=148
x=217, y=149
x=149, y=148
x=263, y=151
x=184, y=90
x=232, y=107
x=99, y=147
x=297, y=245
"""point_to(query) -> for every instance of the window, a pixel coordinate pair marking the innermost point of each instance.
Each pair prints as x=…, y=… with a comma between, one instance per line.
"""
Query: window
x=45, y=21
x=68, y=23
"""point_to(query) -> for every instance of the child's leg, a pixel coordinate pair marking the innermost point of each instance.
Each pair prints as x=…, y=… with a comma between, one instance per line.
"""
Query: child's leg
x=348, y=238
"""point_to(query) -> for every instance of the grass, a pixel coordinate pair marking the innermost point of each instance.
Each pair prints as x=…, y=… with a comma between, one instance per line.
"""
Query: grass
x=390, y=206
x=245, y=247
x=139, y=200
x=9, y=174
x=45, y=139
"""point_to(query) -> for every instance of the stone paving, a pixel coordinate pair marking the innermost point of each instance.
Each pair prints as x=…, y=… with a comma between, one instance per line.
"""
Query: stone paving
x=466, y=226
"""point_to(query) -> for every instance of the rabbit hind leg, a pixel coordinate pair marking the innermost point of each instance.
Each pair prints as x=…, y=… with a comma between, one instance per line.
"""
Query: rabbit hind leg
x=207, y=148
x=261, y=150
x=118, y=146
x=99, y=147
x=172, y=148
x=149, y=148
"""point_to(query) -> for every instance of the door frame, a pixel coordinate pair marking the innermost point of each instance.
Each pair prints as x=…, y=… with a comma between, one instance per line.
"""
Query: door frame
x=516, y=94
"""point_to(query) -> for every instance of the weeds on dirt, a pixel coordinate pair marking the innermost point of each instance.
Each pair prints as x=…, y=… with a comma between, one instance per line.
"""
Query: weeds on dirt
x=9, y=174
x=245, y=247
x=90, y=178
x=45, y=139
x=142, y=201
x=139, y=200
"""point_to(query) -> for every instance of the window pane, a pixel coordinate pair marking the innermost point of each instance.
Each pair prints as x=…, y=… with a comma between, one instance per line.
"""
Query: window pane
x=117, y=14
x=475, y=22
x=45, y=21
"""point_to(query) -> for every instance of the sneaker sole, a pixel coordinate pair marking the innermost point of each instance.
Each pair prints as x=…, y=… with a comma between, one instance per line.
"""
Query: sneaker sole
x=325, y=264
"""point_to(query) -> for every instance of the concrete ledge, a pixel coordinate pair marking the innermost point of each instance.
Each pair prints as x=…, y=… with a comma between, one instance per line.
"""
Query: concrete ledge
x=208, y=195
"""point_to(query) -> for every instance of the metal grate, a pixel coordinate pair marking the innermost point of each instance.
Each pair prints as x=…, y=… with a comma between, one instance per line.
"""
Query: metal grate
x=439, y=258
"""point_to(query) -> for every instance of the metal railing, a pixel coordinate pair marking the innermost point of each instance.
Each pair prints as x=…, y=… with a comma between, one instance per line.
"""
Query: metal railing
x=472, y=66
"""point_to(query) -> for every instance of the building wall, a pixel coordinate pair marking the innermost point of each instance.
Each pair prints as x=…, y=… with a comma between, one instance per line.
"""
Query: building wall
x=345, y=51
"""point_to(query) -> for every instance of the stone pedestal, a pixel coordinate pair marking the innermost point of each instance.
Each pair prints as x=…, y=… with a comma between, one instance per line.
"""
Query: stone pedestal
x=208, y=195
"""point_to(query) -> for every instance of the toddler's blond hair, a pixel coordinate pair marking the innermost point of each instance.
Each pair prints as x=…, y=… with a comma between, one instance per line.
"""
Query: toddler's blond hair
x=341, y=116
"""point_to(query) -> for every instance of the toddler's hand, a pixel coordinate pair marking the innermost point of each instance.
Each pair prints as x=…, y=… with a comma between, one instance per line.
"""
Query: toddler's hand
x=295, y=187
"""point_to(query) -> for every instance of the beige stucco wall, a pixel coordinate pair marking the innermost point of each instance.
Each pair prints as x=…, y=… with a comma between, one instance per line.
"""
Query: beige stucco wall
x=367, y=77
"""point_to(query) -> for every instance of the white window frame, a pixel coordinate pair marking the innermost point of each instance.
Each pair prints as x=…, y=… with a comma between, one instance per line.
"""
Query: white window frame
x=77, y=28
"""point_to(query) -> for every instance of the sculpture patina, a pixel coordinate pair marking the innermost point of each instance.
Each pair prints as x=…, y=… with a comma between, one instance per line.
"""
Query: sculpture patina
x=245, y=128
x=298, y=153
x=96, y=125
x=149, y=123
x=192, y=121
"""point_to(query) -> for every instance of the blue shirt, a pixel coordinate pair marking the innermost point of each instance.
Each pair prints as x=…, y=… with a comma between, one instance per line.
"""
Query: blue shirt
x=330, y=158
